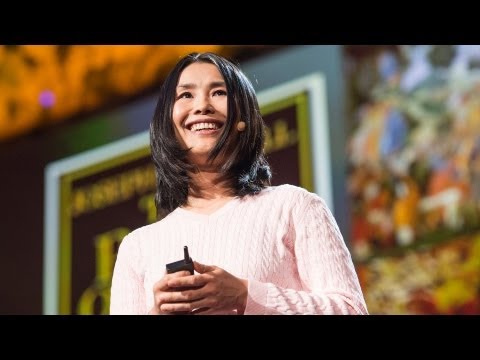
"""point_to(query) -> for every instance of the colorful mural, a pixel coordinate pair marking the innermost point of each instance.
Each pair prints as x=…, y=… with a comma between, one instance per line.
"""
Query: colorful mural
x=414, y=177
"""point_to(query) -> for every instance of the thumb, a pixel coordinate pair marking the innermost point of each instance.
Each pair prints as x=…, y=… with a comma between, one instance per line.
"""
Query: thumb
x=202, y=268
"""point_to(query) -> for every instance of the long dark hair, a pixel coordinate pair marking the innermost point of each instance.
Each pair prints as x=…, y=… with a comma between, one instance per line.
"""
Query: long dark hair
x=245, y=166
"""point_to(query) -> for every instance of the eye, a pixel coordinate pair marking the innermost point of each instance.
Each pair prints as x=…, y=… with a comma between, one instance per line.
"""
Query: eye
x=219, y=93
x=185, y=95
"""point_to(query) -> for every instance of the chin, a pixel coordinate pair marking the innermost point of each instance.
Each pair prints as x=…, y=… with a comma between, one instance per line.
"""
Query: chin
x=202, y=149
x=198, y=158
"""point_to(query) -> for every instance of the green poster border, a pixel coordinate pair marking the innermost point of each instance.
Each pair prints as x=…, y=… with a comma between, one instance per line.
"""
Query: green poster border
x=302, y=117
x=65, y=250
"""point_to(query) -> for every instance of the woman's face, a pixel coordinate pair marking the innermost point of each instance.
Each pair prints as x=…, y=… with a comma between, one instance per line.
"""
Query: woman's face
x=200, y=109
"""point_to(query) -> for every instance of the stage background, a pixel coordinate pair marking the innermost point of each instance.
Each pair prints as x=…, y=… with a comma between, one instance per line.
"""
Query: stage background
x=24, y=159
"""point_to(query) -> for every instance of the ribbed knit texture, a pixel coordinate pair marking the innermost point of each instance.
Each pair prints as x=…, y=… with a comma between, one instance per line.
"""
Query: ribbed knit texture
x=284, y=240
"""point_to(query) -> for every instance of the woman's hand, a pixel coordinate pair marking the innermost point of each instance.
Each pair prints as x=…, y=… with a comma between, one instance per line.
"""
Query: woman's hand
x=213, y=289
x=160, y=288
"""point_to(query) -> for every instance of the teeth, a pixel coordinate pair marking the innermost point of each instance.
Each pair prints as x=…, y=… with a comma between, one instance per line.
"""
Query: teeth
x=204, y=126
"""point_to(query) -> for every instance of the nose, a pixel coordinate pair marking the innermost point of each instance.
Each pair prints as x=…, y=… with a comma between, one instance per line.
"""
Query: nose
x=203, y=106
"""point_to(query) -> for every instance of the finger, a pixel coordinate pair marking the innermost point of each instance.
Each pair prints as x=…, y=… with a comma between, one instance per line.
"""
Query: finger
x=202, y=268
x=181, y=296
x=177, y=274
x=188, y=281
x=185, y=306
x=202, y=311
x=203, y=305
x=162, y=284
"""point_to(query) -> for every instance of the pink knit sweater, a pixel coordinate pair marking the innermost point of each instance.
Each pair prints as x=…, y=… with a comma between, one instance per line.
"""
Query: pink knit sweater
x=284, y=240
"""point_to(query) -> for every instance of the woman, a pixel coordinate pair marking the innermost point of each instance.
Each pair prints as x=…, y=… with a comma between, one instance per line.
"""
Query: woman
x=258, y=249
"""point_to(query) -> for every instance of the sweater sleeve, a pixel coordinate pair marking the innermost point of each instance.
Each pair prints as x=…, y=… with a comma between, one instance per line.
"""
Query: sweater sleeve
x=127, y=296
x=325, y=268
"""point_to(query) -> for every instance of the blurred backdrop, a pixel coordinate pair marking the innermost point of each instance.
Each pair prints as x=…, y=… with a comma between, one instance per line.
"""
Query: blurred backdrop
x=401, y=149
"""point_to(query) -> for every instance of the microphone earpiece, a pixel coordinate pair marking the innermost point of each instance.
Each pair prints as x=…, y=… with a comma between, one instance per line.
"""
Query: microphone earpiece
x=241, y=126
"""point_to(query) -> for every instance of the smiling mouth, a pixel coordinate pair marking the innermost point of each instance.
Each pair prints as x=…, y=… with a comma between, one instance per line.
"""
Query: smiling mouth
x=205, y=126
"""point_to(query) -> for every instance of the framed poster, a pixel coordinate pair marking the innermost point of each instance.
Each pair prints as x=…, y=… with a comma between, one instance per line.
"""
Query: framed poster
x=95, y=198
x=92, y=201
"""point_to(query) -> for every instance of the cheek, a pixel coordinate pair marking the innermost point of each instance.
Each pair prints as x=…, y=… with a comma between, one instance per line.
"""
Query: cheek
x=175, y=117
x=178, y=115
x=222, y=106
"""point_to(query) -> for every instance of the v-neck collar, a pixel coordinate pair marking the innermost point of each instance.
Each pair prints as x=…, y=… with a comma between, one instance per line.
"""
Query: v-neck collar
x=218, y=212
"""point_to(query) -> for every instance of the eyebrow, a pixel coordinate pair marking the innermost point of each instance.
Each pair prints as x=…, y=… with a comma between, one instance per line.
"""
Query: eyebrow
x=212, y=85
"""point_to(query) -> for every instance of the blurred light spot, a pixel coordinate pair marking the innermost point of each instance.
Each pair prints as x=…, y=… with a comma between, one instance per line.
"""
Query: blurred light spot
x=47, y=98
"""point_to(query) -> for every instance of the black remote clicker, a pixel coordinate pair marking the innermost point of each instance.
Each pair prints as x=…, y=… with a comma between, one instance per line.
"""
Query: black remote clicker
x=185, y=264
